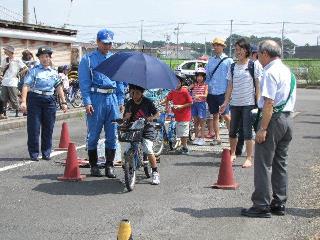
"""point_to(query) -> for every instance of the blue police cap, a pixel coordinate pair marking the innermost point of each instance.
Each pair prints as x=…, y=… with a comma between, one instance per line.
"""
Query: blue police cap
x=105, y=36
x=44, y=50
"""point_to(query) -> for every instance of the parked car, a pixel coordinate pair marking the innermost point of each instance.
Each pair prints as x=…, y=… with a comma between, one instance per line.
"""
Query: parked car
x=189, y=67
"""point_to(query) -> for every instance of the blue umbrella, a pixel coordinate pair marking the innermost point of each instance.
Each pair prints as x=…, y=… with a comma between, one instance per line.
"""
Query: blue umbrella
x=139, y=69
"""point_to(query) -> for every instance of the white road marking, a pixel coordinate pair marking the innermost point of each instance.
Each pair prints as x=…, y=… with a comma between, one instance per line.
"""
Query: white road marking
x=54, y=153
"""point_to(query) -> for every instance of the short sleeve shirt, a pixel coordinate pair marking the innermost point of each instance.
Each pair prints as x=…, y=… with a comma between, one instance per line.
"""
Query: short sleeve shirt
x=143, y=110
x=42, y=79
x=181, y=97
x=10, y=78
x=275, y=85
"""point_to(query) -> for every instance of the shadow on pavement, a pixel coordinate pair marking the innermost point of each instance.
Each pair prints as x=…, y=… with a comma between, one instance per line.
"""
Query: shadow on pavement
x=44, y=176
x=235, y=212
x=311, y=115
x=211, y=212
x=85, y=188
x=309, y=122
x=311, y=137
x=301, y=212
x=199, y=164
x=13, y=159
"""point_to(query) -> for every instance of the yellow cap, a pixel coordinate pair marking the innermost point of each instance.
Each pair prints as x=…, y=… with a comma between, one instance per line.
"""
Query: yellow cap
x=219, y=41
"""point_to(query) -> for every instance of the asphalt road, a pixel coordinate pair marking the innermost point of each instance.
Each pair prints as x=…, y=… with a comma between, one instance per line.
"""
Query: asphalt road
x=34, y=205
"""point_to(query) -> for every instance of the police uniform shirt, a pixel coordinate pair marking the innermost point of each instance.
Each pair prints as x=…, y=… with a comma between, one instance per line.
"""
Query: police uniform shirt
x=275, y=85
x=88, y=77
x=42, y=79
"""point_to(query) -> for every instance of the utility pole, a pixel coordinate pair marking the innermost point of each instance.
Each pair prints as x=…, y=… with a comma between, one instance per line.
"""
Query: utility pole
x=282, y=39
x=25, y=11
x=177, y=29
x=167, y=37
x=318, y=40
x=35, y=14
x=177, y=47
x=141, y=33
x=205, y=45
x=230, y=39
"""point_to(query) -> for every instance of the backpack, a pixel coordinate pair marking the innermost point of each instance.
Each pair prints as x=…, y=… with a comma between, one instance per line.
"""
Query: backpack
x=251, y=71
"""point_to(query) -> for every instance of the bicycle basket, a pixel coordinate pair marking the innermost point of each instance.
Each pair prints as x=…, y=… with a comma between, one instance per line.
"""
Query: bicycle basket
x=130, y=135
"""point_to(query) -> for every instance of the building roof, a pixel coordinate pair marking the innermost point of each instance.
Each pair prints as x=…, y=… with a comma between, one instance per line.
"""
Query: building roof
x=21, y=30
x=36, y=28
x=307, y=52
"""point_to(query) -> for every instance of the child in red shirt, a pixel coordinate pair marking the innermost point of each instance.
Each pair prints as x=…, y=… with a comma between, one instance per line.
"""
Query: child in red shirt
x=182, y=101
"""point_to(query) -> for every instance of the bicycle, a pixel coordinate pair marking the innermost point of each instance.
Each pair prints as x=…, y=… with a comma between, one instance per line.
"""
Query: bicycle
x=74, y=95
x=166, y=133
x=134, y=158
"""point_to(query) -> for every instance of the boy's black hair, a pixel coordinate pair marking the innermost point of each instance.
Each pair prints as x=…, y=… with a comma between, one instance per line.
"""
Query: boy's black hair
x=136, y=87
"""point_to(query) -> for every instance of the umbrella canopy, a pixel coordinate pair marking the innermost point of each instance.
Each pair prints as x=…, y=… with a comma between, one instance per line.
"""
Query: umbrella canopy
x=139, y=69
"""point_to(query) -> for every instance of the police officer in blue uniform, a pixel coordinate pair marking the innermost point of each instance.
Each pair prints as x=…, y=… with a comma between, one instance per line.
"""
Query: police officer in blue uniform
x=38, y=100
x=102, y=98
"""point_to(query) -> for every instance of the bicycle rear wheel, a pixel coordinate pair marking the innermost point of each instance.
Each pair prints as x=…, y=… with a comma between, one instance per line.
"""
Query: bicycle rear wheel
x=76, y=101
x=129, y=170
x=192, y=133
x=158, y=143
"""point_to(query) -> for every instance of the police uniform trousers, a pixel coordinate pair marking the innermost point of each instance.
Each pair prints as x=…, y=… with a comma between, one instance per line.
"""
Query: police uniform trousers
x=41, y=114
x=270, y=162
x=106, y=109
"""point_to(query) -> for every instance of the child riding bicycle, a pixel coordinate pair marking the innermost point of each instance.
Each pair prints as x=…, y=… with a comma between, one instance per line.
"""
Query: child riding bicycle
x=142, y=107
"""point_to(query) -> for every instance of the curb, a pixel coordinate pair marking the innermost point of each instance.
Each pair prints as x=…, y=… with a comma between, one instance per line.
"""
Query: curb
x=20, y=122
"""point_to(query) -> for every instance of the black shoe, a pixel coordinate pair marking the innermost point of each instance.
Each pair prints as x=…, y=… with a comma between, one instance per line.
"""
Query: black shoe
x=48, y=158
x=95, y=172
x=36, y=159
x=277, y=209
x=109, y=171
x=109, y=168
x=256, y=212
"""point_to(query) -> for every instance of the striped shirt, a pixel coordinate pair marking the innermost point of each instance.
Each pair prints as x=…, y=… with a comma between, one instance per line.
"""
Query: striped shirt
x=243, y=92
x=199, y=89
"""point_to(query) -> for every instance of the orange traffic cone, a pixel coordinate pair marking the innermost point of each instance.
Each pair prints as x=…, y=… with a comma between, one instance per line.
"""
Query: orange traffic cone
x=225, y=178
x=72, y=171
x=64, y=138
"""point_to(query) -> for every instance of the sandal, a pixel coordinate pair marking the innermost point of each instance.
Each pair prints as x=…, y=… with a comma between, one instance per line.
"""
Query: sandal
x=247, y=164
x=233, y=158
x=209, y=135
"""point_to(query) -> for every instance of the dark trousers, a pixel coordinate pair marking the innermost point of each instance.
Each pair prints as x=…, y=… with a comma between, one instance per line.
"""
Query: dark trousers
x=270, y=162
x=240, y=142
x=41, y=115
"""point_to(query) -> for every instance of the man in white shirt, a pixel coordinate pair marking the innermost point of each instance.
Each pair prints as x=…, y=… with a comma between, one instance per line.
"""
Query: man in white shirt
x=11, y=68
x=278, y=96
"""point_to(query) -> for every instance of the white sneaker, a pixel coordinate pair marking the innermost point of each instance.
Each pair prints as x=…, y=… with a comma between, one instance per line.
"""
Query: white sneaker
x=201, y=142
x=195, y=142
x=155, y=178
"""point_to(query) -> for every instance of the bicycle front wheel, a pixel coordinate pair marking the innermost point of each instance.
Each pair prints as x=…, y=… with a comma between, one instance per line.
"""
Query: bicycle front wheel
x=129, y=170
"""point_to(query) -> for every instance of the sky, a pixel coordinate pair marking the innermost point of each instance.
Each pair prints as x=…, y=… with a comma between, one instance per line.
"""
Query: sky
x=198, y=20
